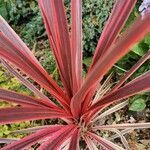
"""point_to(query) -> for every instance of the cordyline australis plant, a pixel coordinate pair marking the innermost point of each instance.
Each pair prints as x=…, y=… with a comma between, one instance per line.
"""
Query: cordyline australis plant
x=82, y=101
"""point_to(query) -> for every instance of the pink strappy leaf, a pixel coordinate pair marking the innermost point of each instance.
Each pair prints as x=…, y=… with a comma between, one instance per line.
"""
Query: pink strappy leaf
x=24, y=100
x=139, y=84
x=116, y=21
x=18, y=57
x=33, y=138
x=76, y=43
x=18, y=114
x=57, y=29
x=58, y=138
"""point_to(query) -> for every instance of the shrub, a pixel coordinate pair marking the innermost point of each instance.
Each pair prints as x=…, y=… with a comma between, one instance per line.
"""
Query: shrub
x=82, y=102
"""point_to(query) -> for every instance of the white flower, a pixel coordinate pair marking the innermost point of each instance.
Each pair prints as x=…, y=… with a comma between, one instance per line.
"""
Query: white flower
x=145, y=7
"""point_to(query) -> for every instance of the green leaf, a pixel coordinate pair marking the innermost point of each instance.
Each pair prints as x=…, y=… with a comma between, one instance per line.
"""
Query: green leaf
x=147, y=40
x=32, y=5
x=140, y=48
x=87, y=61
x=138, y=105
x=3, y=10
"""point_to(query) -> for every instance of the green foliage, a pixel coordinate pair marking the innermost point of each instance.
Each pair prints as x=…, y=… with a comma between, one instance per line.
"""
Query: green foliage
x=87, y=61
x=32, y=30
x=3, y=9
x=142, y=47
x=25, y=18
x=45, y=56
x=138, y=104
x=5, y=130
x=95, y=14
x=11, y=83
x=18, y=9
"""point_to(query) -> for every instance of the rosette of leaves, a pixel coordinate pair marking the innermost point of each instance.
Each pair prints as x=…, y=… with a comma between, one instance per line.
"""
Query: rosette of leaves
x=81, y=101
